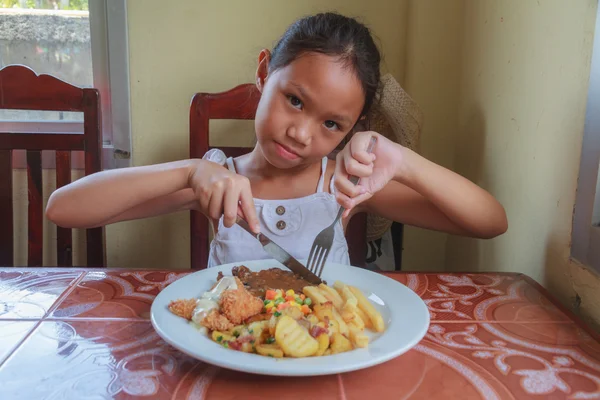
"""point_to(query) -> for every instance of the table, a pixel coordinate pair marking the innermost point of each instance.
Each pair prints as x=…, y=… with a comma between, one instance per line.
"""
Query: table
x=85, y=334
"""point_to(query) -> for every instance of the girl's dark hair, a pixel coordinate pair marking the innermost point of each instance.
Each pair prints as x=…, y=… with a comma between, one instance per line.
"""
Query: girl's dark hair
x=335, y=35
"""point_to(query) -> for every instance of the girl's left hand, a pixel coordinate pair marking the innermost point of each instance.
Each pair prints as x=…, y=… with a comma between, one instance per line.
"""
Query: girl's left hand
x=374, y=169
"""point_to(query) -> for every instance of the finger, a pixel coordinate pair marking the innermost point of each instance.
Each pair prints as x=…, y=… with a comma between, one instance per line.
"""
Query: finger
x=349, y=203
x=204, y=201
x=215, y=206
x=343, y=185
x=363, y=157
x=247, y=205
x=344, y=201
x=230, y=206
x=353, y=167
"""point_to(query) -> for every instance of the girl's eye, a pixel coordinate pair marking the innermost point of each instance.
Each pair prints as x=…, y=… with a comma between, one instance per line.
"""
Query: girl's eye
x=329, y=124
x=295, y=102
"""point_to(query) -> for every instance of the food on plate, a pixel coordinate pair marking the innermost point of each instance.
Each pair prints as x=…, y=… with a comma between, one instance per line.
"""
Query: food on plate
x=274, y=278
x=253, y=312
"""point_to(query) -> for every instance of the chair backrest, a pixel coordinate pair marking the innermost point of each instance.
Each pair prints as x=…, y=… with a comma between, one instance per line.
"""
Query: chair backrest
x=240, y=103
x=22, y=89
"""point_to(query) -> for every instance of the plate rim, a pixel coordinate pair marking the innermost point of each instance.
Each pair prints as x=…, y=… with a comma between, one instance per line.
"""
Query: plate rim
x=275, y=369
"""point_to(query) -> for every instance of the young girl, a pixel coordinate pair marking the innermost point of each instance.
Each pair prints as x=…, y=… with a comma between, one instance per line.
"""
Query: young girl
x=319, y=80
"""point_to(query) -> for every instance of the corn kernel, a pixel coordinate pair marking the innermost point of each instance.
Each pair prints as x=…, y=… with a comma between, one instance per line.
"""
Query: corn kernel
x=269, y=306
x=290, y=292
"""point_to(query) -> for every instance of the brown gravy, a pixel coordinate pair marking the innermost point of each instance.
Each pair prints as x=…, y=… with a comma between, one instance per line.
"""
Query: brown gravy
x=258, y=282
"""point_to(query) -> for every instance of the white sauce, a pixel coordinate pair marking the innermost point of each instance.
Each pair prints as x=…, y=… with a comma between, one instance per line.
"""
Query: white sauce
x=209, y=300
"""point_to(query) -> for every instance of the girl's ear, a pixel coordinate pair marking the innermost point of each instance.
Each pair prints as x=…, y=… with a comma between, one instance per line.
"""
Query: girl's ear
x=262, y=71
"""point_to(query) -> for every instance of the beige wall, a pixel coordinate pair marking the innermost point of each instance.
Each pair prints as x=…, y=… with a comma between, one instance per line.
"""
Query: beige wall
x=193, y=46
x=432, y=73
x=522, y=103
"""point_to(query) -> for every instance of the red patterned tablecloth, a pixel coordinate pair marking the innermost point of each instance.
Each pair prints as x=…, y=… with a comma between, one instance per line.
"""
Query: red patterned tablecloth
x=85, y=334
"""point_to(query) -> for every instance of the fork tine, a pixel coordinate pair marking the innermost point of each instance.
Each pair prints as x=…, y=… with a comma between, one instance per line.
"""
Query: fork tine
x=323, y=261
x=318, y=260
x=311, y=260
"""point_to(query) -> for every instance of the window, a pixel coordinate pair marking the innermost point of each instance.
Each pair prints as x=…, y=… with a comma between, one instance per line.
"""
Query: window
x=586, y=221
x=83, y=42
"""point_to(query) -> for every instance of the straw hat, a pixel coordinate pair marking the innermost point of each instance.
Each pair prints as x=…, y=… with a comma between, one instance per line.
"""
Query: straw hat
x=396, y=116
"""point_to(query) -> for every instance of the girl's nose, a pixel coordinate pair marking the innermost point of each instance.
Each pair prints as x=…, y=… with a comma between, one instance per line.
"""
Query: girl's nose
x=300, y=132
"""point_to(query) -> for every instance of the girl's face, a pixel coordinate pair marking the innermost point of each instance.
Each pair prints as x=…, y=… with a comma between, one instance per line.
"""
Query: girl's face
x=306, y=108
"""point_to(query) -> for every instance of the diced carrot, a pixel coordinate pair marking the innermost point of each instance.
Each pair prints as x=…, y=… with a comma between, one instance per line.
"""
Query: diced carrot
x=305, y=309
x=290, y=297
x=270, y=294
x=282, y=306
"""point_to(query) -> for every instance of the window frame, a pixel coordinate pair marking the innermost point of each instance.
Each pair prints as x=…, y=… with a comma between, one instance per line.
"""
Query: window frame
x=110, y=64
x=586, y=237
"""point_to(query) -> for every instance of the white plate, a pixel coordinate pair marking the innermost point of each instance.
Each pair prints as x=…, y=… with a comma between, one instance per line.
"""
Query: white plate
x=404, y=313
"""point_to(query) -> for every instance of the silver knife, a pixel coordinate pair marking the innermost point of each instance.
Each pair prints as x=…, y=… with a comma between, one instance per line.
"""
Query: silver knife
x=278, y=253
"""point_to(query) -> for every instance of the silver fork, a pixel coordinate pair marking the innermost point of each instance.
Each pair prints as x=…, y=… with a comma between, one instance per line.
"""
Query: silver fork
x=322, y=244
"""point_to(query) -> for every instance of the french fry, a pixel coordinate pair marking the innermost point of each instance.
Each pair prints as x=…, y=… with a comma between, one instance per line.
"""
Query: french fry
x=313, y=293
x=348, y=310
x=364, y=318
x=340, y=344
x=356, y=322
x=343, y=328
x=331, y=295
x=358, y=337
x=370, y=311
x=269, y=350
x=343, y=291
x=323, y=340
x=323, y=311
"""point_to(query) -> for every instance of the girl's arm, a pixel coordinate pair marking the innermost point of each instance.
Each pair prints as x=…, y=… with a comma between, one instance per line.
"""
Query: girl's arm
x=415, y=191
x=427, y=195
x=123, y=194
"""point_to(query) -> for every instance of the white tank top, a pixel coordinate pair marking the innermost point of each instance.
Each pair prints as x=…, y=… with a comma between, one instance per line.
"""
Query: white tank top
x=293, y=224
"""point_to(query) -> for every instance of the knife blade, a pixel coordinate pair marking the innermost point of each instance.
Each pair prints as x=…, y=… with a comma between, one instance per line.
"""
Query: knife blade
x=278, y=253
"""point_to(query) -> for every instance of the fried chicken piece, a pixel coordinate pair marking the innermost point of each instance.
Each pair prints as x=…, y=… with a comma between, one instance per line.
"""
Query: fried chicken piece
x=238, y=305
x=183, y=308
x=215, y=321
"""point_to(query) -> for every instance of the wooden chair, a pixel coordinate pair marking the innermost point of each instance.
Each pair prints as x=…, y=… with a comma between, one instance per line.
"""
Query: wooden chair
x=21, y=88
x=240, y=103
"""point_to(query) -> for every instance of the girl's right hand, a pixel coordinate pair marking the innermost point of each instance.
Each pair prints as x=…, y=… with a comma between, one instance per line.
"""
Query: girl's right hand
x=221, y=192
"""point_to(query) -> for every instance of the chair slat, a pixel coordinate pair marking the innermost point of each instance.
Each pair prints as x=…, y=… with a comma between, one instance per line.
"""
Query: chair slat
x=35, y=221
x=95, y=250
x=41, y=141
x=6, y=209
x=64, y=237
